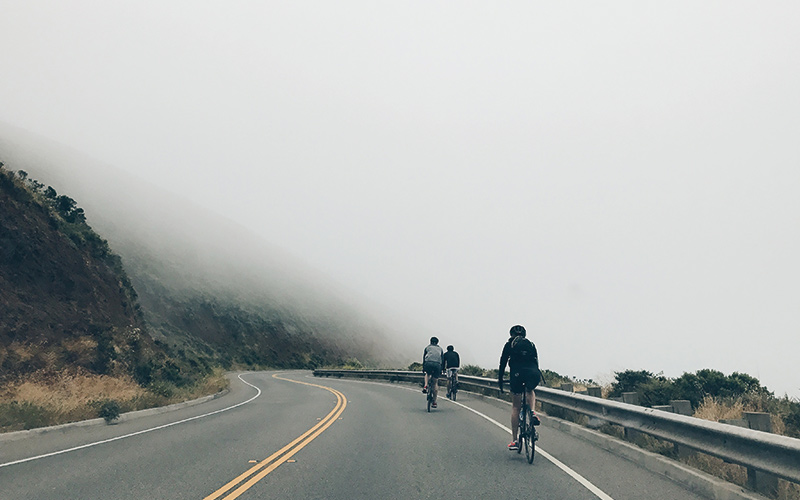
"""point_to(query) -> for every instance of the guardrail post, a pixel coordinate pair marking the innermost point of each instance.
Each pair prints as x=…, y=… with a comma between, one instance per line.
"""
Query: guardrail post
x=632, y=398
x=738, y=422
x=764, y=483
x=595, y=392
x=566, y=387
x=682, y=407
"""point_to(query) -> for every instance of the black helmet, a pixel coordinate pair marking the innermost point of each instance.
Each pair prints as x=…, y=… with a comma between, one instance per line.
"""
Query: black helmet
x=517, y=330
x=449, y=348
x=434, y=340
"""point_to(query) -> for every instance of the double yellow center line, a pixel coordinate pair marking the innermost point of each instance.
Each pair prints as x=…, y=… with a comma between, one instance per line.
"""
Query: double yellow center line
x=255, y=474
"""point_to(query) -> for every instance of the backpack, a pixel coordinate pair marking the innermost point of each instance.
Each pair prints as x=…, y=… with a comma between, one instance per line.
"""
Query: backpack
x=523, y=352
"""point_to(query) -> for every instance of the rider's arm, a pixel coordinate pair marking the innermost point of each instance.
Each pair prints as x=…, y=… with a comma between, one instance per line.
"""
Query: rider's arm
x=503, y=362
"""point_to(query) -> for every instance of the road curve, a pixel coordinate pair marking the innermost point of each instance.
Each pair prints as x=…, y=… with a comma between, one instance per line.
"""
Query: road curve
x=288, y=435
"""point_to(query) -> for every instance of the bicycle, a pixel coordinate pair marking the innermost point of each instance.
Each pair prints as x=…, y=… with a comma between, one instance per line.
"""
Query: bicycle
x=527, y=432
x=433, y=382
x=452, y=383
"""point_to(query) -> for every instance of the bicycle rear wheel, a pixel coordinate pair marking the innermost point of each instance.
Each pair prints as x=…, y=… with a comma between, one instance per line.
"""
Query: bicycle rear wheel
x=522, y=428
x=529, y=441
x=430, y=399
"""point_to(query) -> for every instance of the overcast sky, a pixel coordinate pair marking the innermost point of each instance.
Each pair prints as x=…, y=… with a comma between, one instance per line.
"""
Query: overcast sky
x=621, y=178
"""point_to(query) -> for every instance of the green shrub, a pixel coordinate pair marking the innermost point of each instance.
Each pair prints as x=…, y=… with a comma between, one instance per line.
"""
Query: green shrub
x=415, y=367
x=109, y=410
x=553, y=379
x=658, y=391
x=18, y=416
x=792, y=418
x=472, y=370
x=629, y=381
x=162, y=389
x=353, y=364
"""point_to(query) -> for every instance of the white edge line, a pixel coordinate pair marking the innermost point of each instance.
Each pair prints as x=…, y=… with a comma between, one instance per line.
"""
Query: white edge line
x=582, y=480
x=89, y=445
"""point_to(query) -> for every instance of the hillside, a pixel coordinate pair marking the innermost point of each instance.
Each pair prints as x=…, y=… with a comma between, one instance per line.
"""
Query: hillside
x=62, y=291
x=206, y=286
x=73, y=340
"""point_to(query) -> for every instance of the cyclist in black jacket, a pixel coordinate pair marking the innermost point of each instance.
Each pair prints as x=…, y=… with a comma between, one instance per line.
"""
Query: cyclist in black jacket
x=523, y=361
x=451, y=362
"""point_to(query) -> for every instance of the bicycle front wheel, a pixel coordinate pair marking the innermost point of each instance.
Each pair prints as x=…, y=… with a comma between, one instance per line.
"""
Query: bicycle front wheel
x=529, y=442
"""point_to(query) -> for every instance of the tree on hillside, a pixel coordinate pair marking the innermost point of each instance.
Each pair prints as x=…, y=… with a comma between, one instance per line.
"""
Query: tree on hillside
x=708, y=382
x=629, y=381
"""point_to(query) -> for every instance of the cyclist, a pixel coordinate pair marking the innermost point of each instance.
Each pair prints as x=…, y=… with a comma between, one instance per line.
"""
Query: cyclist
x=451, y=362
x=432, y=363
x=523, y=361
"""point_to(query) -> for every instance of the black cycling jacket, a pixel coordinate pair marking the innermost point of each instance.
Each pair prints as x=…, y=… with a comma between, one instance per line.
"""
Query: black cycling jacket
x=513, y=363
x=451, y=359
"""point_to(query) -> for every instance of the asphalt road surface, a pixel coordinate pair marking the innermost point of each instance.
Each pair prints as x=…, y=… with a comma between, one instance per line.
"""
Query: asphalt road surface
x=289, y=435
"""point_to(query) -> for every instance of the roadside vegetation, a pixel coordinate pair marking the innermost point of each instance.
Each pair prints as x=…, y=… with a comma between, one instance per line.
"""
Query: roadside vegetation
x=47, y=398
x=73, y=342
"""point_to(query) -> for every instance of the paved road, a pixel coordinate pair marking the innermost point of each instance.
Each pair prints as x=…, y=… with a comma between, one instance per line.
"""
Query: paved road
x=333, y=439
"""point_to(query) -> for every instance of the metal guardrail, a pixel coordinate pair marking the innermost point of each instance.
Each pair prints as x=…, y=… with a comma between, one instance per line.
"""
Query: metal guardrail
x=769, y=453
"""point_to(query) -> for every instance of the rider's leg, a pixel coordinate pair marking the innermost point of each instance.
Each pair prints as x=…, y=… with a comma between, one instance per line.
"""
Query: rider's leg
x=516, y=403
x=426, y=379
x=532, y=398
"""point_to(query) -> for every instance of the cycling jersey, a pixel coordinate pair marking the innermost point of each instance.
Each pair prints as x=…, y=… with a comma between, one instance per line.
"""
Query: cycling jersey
x=451, y=359
x=432, y=360
x=433, y=354
x=524, y=369
x=515, y=361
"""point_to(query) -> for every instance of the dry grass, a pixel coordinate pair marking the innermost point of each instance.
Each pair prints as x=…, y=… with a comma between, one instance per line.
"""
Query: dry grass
x=716, y=409
x=23, y=351
x=48, y=398
x=67, y=393
x=788, y=491
x=716, y=467
x=83, y=349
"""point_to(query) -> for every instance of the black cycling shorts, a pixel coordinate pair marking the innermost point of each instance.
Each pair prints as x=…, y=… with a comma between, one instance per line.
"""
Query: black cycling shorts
x=432, y=369
x=524, y=379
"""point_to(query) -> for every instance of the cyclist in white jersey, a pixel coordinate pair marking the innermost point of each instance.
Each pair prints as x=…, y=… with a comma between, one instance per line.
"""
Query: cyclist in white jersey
x=432, y=366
